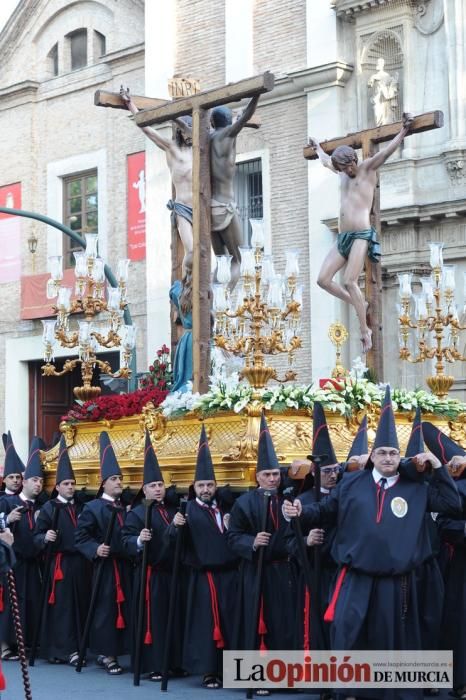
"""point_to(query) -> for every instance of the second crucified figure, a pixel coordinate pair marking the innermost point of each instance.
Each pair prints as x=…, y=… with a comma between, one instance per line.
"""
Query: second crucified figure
x=356, y=237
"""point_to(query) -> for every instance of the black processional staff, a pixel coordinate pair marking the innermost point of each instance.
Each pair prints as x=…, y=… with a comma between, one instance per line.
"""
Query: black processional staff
x=148, y=504
x=45, y=584
x=173, y=598
x=10, y=577
x=316, y=608
x=289, y=495
x=266, y=494
x=95, y=589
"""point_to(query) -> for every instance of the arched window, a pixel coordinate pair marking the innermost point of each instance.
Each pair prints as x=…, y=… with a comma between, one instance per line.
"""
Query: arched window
x=78, y=48
x=52, y=59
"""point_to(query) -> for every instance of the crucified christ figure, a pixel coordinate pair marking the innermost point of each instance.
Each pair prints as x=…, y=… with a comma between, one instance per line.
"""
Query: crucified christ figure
x=179, y=155
x=356, y=237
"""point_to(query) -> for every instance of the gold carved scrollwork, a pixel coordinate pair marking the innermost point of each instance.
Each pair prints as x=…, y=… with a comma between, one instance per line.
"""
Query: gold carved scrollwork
x=69, y=431
x=155, y=422
x=303, y=436
x=458, y=430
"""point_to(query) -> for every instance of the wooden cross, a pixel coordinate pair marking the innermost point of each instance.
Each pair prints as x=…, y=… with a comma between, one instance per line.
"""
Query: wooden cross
x=155, y=111
x=367, y=140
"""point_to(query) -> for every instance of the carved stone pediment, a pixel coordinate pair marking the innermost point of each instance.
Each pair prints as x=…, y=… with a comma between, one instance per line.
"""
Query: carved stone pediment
x=347, y=9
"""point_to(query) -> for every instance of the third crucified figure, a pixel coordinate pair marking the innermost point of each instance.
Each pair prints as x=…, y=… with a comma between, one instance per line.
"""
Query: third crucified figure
x=356, y=237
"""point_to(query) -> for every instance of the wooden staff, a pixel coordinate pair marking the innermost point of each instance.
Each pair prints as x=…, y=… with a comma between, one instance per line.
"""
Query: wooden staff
x=95, y=591
x=148, y=503
x=315, y=609
x=266, y=494
x=172, y=603
x=45, y=585
x=289, y=495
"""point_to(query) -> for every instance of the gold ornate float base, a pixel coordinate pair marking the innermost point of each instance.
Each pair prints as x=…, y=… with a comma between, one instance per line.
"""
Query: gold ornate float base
x=232, y=439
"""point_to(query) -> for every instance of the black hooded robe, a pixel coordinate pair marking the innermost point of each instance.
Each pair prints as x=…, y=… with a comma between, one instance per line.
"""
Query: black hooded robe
x=27, y=572
x=379, y=556
x=453, y=533
x=277, y=611
x=211, y=590
x=158, y=585
x=68, y=590
x=111, y=624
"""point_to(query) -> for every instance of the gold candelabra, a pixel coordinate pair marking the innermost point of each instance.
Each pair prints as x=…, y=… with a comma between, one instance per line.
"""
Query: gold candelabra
x=338, y=336
x=262, y=315
x=434, y=311
x=89, y=300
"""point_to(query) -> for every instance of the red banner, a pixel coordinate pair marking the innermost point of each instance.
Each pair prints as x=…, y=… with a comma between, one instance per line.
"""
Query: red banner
x=136, y=206
x=10, y=234
x=34, y=302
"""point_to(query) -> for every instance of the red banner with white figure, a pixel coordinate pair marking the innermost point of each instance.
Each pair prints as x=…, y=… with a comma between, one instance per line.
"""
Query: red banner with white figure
x=10, y=234
x=136, y=206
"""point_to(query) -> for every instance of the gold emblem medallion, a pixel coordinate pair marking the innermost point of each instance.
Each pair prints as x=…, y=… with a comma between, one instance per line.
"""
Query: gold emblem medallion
x=399, y=507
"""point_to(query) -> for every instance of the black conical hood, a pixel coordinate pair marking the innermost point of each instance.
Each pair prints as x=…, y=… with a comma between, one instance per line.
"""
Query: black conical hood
x=151, y=466
x=34, y=463
x=64, y=468
x=266, y=455
x=415, y=444
x=204, y=465
x=13, y=464
x=443, y=447
x=5, y=440
x=360, y=446
x=321, y=443
x=386, y=430
x=108, y=462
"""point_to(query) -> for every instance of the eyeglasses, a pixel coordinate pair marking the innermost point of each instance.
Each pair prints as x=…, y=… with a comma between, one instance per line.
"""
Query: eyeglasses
x=329, y=470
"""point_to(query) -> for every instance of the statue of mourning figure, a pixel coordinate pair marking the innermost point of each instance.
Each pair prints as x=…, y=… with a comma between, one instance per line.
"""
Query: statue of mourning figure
x=384, y=98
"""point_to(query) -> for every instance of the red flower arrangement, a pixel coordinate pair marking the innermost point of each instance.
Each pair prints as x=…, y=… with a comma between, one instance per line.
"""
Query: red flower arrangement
x=115, y=406
x=160, y=371
x=154, y=387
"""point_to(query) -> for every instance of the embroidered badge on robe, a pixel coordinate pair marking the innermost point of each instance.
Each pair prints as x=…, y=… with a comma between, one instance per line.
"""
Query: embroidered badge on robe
x=399, y=507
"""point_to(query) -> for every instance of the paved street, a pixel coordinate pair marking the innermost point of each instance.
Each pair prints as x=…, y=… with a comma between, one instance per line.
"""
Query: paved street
x=62, y=682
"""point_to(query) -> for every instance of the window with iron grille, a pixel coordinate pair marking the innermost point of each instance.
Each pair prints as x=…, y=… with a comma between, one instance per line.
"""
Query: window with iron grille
x=80, y=209
x=248, y=193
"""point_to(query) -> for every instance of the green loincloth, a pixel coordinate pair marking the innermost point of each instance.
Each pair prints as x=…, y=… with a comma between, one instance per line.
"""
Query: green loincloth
x=345, y=241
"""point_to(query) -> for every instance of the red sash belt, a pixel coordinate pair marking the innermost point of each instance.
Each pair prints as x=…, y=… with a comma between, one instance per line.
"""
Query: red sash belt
x=307, y=615
x=330, y=612
x=57, y=576
x=262, y=627
x=217, y=635
x=120, y=597
x=148, y=635
x=2, y=605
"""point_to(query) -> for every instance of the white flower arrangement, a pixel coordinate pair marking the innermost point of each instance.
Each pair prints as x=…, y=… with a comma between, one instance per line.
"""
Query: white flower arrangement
x=345, y=396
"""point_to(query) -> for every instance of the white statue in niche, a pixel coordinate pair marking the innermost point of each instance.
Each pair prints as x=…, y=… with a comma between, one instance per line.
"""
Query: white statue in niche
x=385, y=94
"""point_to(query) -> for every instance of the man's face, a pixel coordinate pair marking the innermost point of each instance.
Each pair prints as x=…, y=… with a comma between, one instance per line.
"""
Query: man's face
x=386, y=460
x=32, y=487
x=268, y=478
x=13, y=482
x=205, y=490
x=351, y=169
x=154, y=491
x=66, y=488
x=329, y=475
x=113, y=486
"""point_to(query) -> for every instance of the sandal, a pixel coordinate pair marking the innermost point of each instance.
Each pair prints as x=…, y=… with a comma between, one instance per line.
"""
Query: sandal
x=74, y=658
x=113, y=668
x=262, y=692
x=9, y=655
x=155, y=676
x=211, y=682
